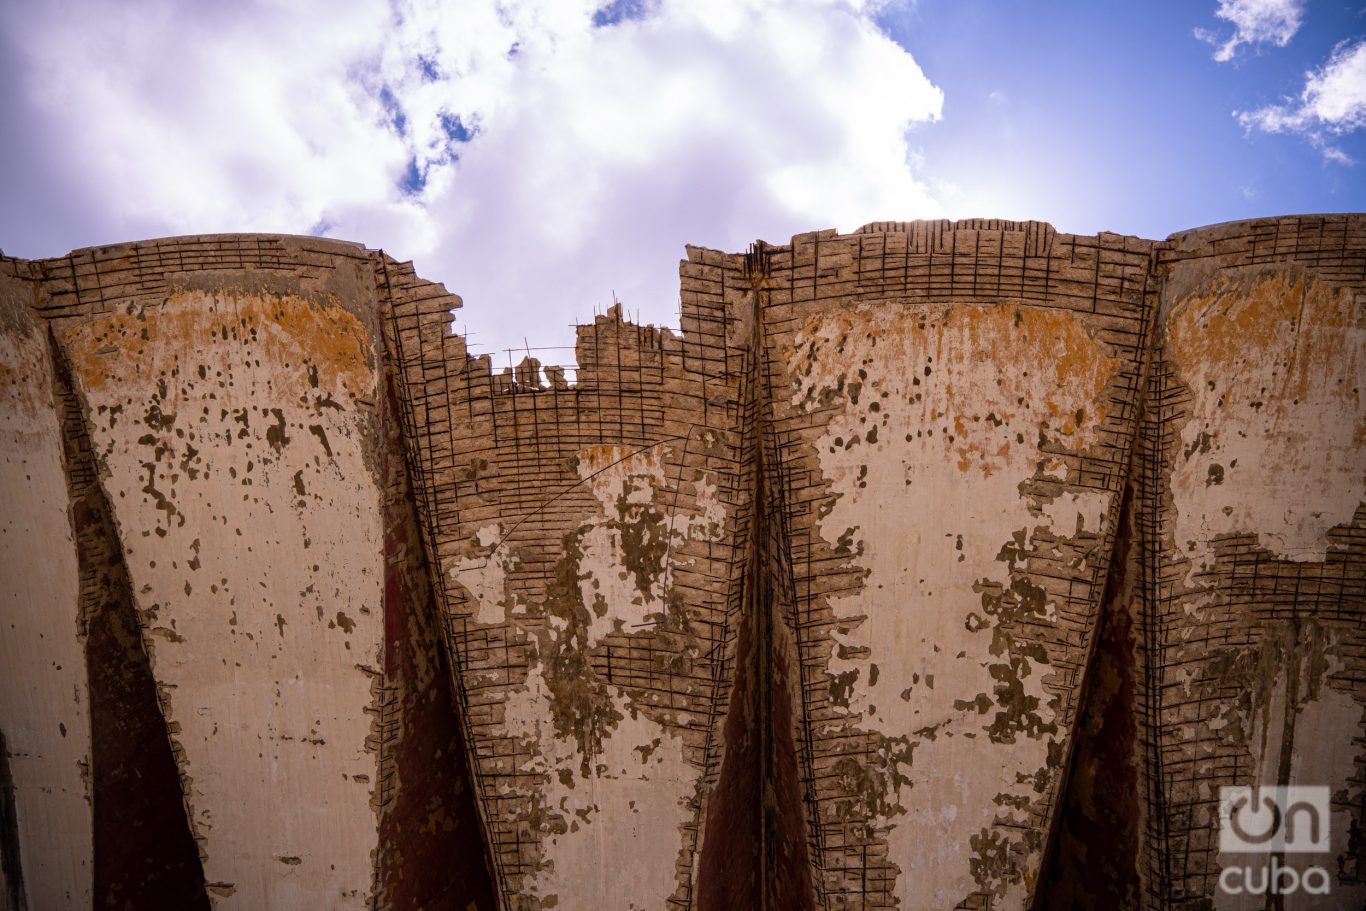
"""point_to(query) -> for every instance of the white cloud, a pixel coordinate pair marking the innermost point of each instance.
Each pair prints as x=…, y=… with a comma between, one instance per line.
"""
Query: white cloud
x=1332, y=103
x=532, y=160
x=1254, y=22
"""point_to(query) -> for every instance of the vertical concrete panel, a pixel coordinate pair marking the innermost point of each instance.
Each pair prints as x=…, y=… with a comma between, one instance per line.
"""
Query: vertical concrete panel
x=1259, y=638
x=929, y=455
x=585, y=542
x=953, y=405
x=235, y=428
x=133, y=777
x=44, y=699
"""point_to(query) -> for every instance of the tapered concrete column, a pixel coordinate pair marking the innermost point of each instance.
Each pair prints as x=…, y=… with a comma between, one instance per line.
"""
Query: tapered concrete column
x=588, y=540
x=233, y=414
x=952, y=410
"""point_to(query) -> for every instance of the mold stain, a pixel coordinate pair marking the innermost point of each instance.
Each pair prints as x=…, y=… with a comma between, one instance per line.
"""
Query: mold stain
x=945, y=450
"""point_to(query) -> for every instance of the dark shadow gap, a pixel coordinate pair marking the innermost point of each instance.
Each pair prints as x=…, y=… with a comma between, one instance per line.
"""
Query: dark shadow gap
x=432, y=849
x=790, y=884
x=145, y=855
x=731, y=866
x=754, y=849
x=1092, y=861
x=11, y=871
x=730, y=869
x=785, y=811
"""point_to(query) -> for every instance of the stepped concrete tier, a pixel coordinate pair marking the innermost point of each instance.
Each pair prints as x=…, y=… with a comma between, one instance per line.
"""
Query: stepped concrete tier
x=937, y=565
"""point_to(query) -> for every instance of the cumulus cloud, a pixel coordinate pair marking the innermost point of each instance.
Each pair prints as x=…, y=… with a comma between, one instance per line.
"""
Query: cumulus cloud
x=1254, y=22
x=539, y=157
x=1332, y=103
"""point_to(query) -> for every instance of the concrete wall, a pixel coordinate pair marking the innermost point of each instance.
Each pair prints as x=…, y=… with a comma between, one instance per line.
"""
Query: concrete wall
x=937, y=565
x=236, y=426
x=585, y=540
x=950, y=408
x=1260, y=535
x=250, y=581
x=44, y=700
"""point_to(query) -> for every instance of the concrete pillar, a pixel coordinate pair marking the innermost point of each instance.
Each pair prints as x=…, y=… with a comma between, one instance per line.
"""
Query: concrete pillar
x=234, y=417
x=588, y=550
x=952, y=410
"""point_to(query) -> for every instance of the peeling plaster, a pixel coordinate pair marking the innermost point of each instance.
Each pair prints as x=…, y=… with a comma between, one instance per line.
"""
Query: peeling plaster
x=234, y=420
x=942, y=410
x=1269, y=446
x=614, y=780
x=1289, y=727
x=610, y=837
x=260, y=605
x=1274, y=365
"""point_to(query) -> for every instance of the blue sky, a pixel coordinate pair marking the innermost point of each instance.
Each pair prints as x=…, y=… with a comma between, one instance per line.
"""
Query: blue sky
x=542, y=157
x=1114, y=116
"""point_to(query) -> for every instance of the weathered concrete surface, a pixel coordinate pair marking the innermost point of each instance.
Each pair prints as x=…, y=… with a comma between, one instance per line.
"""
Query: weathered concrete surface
x=44, y=700
x=935, y=565
x=236, y=431
x=586, y=543
x=952, y=408
x=1259, y=544
x=405, y=804
x=925, y=654
x=133, y=780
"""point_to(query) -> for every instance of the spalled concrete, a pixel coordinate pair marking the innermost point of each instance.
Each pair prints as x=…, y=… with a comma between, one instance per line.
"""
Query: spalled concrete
x=924, y=657
x=1260, y=535
x=236, y=427
x=936, y=565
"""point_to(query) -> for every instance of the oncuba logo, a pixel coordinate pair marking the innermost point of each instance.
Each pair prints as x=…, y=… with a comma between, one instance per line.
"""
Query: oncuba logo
x=1272, y=821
